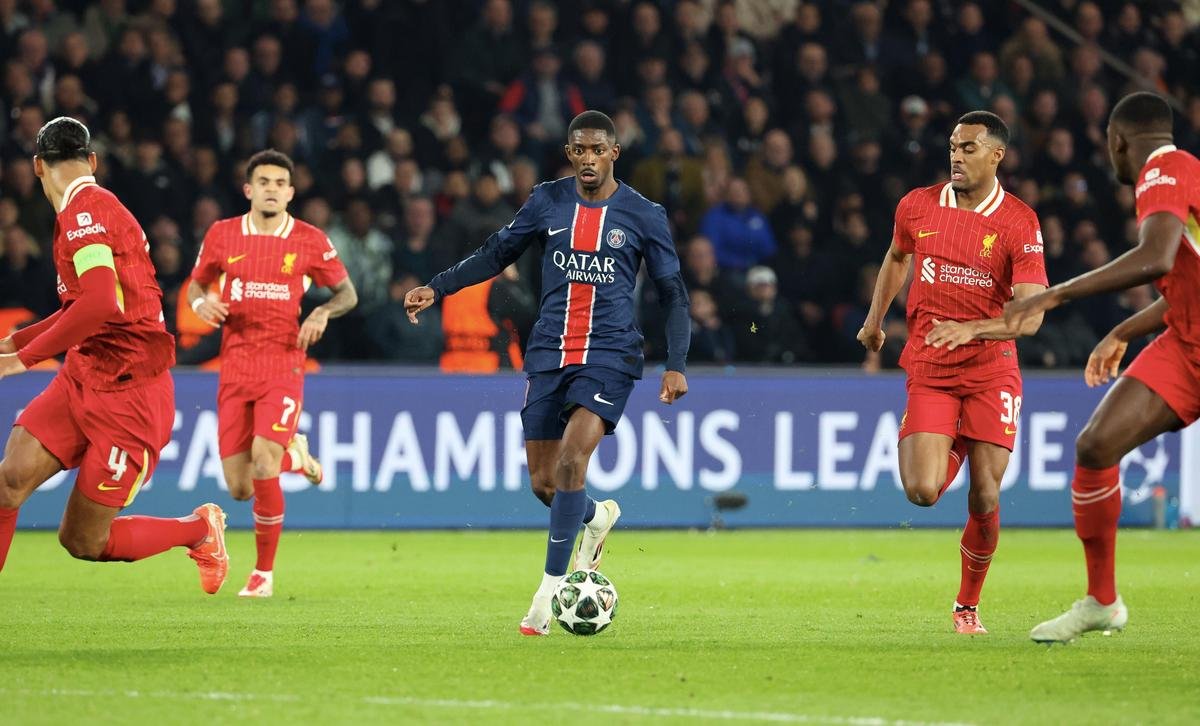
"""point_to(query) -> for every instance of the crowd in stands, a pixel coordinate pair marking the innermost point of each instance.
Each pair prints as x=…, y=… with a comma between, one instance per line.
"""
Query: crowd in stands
x=778, y=134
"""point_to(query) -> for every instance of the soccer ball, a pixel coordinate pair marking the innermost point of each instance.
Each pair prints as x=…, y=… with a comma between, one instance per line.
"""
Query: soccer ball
x=584, y=603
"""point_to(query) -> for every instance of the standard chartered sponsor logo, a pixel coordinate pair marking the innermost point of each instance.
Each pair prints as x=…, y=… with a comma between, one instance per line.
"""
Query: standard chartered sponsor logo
x=954, y=274
x=249, y=290
x=928, y=270
x=590, y=268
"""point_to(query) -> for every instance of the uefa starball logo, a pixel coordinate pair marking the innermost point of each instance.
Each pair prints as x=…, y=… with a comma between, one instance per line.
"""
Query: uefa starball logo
x=616, y=238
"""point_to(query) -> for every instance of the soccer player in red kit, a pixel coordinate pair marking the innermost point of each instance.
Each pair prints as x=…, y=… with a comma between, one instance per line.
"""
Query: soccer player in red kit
x=265, y=260
x=1160, y=391
x=110, y=409
x=975, y=247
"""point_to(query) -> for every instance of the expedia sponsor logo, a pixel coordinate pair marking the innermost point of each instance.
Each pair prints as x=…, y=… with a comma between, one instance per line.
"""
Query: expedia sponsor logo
x=1035, y=248
x=590, y=268
x=96, y=228
x=1154, y=177
x=62, y=288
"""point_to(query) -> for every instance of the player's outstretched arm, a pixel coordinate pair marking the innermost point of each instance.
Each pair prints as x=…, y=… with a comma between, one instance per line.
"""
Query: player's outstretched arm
x=887, y=285
x=22, y=337
x=1158, y=241
x=949, y=334
x=97, y=303
x=1105, y=360
x=345, y=297
x=207, y=309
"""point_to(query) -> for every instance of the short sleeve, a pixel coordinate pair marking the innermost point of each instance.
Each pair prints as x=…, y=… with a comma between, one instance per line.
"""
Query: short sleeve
x=208, y=261
x=1163, y=187
x=327, y=269
x=1028, y=260
x=902, y=235
x=658, y=247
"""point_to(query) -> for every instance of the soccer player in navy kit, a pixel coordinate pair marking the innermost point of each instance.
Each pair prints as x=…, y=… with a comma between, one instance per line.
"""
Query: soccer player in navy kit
x=585, y=351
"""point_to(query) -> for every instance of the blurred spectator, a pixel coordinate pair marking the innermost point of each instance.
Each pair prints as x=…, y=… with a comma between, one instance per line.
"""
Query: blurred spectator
x=675, y=179
x=595, y=88
x=395, y=338
x=475, y=218
x=488, y=58
x=740, y=234
x=712, y=340
x=766, y=330
x=864, y=107
x=26, y=274
x=765, y=170
x=366, y=253
x=983, y=84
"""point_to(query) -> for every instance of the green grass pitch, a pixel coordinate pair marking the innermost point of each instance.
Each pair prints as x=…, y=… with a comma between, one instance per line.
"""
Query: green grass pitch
x=840, y=627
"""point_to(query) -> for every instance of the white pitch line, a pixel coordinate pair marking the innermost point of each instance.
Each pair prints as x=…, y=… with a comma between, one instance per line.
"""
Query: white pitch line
x=451, y=703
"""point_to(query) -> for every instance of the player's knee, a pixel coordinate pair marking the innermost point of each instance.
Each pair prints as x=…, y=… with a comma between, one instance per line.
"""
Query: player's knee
x=82, y=546
x=10, y=486
x=922, y=494
x=543, y=488
x=264, y=467
x=241, y=490
x=1092, y=451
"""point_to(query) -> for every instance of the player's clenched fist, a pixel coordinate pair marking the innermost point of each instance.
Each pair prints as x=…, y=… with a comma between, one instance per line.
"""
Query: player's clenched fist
x=417, y=300
x=871, y=336
x=674, y=386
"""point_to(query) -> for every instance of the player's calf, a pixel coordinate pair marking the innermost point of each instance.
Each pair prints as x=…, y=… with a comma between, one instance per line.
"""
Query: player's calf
x=83, y=545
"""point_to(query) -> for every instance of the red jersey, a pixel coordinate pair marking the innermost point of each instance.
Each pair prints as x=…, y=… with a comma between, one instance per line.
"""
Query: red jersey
x=263, y=276
x=135, y=346
x=1170, y=182
x=966, y=263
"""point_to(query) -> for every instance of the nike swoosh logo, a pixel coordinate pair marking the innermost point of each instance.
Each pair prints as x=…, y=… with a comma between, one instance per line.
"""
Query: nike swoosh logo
x=279, y=428
x=564, y=539
x=1008, y=431
x=553, y=232
x=105, y=488
x=597, y=399
x=923, y=234
x=231, y=260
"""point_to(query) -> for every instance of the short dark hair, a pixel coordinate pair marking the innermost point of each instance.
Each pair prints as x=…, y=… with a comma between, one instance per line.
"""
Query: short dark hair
x=1144, y=112
x=593, y=120
x=996, y=128
x=63, y=139
x=269, y=157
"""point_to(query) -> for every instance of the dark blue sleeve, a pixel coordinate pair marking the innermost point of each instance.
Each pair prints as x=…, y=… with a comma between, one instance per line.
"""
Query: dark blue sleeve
x=672, y=295
x=499, y=251
x=658, y=248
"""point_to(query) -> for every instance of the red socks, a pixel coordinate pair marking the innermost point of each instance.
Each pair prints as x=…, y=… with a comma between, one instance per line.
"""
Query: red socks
x=8, y=525
x=1096, y=500
x=268, y=520
x=979, y=540
x=958, y=454
x=291, y=462
x=136, y=538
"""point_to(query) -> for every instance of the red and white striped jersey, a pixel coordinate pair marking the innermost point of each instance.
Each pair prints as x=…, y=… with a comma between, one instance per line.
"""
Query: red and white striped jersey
x=136, y=345
x=263, y=277
x=1170, y=182
x=966, y=262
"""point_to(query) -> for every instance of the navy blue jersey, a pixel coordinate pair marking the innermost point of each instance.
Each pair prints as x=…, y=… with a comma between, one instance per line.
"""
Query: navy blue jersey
x=593, y=251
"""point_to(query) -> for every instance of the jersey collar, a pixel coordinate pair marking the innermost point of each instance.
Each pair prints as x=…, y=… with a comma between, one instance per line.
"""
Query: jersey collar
x=990, y=203
x=73, y=188
x=1164, y=149
x=283, y=230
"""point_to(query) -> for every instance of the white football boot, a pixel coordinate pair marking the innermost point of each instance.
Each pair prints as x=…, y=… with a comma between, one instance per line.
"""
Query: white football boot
x=591, y=545
x=1084, y=616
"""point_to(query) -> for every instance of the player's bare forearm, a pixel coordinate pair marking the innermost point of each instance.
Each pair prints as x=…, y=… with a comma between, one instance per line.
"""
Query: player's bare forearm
x=1147, y=321
x=1158, y=241
x=1000, y=329
x=345, y=298
x=194, y=292
x=887, y=285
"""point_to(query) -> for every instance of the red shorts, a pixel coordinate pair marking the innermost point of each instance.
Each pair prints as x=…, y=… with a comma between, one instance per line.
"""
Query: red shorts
x=984, y=407
x=248, y=409
x=1166, y=368
x=112, y=437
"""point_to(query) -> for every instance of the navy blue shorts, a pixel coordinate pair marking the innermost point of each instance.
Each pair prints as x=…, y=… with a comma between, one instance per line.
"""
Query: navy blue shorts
x=551, y=396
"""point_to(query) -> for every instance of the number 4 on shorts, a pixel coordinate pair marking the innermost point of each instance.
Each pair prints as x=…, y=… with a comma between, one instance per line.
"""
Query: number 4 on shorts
x=117, y=463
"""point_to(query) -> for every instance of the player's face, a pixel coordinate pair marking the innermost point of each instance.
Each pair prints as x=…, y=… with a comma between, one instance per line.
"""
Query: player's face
x=592, y=154
x=269, y=190
x=974, y=157
x=1118, y=156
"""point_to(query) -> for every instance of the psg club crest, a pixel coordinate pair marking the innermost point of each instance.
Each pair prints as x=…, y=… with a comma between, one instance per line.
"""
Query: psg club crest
x=616, y=238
